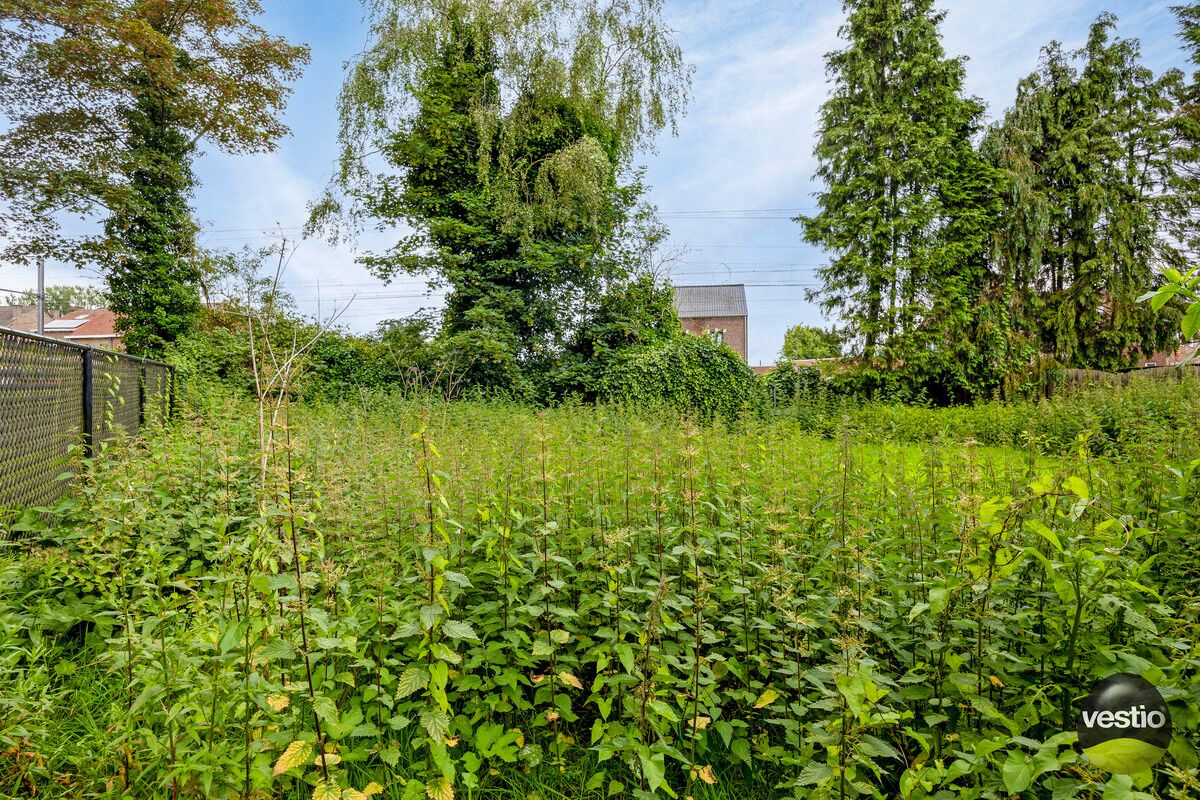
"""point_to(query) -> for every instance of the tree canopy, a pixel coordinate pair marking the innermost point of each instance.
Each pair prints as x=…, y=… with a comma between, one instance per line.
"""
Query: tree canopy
x=1096, y=202
x=809, y=341
x=62, y=298
x=503, y=136
x=906, y=199
x=107, y=103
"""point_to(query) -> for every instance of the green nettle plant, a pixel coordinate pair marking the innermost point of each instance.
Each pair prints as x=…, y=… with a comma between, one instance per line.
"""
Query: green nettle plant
x=398, y=597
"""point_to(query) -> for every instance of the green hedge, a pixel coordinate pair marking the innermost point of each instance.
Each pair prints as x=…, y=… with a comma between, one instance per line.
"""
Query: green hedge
x=1115, y=418
x=691, y=373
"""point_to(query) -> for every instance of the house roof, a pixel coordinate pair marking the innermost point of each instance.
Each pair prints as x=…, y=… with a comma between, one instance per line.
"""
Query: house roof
x=86, y=323
x=722, y=300
x=22, y=318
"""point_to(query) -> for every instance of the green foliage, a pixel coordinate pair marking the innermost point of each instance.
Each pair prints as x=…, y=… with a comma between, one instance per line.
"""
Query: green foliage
x=808, y=341
x=788, y=383
x=1186, y=288
x=637, y=313
x=62, y=298
x=519, y=200
x=1114, y=419
x=906, y=208
x=478, y=600
x=152, y=277
x=1097, y=201
x=106, y=103
x=691, y=373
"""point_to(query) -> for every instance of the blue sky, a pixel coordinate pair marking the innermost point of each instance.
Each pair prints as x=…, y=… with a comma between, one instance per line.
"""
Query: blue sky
x=746, y=144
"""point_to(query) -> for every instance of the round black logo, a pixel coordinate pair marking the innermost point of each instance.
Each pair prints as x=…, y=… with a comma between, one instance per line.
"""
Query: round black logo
x=1125, y=726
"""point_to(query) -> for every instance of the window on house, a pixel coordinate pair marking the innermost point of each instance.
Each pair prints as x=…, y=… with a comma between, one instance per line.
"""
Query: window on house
x=718, y=335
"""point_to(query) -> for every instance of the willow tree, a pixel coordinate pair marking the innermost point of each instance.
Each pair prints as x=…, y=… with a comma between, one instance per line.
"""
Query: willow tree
x=503, y=136
x=905, y=207
x=1095, y=204
x=106, y=104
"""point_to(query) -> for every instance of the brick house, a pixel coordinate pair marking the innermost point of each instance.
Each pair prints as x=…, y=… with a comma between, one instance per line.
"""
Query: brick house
x=92, y=326
x=1169, y=359
x=717, y=311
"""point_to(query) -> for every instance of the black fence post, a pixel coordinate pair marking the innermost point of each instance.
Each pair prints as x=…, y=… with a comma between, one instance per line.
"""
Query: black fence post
x=88, y=444
x=171, y=392
x=141, y=395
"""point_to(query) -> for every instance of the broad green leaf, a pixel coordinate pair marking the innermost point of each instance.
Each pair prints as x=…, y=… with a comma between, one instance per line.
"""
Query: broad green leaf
x=766, y=698
x=412, y=680
x=430, y=615
x=1191, y=321
x=1162, y=297
x=457, y=629
x=814, y=774
x=436, y=724
x=440, y=789
x=1079, y=487
x=443, y=652
x=1017, y=772
x=917, y=610
x=1043, y=531
x=327, y=790
x=654, y=768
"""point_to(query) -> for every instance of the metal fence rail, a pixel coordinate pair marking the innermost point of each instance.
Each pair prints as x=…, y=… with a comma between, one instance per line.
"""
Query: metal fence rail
x=56, y=394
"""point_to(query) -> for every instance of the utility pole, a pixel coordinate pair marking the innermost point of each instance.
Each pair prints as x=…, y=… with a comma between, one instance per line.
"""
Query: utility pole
x=41, y=297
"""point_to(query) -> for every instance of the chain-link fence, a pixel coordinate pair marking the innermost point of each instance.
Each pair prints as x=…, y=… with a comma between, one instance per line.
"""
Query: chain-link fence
x=54, y=395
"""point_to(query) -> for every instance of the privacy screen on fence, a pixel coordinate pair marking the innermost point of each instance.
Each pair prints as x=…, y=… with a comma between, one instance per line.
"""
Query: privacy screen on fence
x=54, y=395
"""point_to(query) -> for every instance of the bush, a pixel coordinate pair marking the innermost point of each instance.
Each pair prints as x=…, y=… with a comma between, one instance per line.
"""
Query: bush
x=788, y=383
x=691, y=373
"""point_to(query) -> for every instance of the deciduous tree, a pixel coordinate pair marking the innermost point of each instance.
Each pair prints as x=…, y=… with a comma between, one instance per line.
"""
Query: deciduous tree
x=808, y=341
x=503, y=135
x=107, y=103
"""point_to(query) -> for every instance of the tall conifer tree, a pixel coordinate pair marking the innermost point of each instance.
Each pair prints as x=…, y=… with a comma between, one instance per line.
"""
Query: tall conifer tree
x=1096, y=205
x=906, y=206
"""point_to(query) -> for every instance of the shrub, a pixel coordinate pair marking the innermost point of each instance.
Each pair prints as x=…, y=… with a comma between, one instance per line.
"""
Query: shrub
x=691, y=373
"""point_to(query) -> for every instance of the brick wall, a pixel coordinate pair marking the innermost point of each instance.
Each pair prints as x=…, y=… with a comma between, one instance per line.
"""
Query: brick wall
x=734, y=327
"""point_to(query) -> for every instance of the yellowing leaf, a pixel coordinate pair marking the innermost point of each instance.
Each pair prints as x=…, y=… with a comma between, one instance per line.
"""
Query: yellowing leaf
x=570, y=680
x=294, y=755
x=440, y=789
x=369, y=791
x=707, y=775
x=552, y=716
x=278, y=702
x=700, y=723
x=520, y=736
x=999, y=684
x=327, y=790
x=331, y=759
x=766, y=698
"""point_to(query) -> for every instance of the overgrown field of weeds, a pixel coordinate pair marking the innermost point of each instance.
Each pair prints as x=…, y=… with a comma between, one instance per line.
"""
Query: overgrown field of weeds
x=411, y=599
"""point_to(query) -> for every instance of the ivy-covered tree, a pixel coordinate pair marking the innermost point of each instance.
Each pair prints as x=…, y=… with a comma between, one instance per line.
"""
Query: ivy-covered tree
x=905, y=211
x=506, y=134
x=1095, y=205
x=106, y=103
